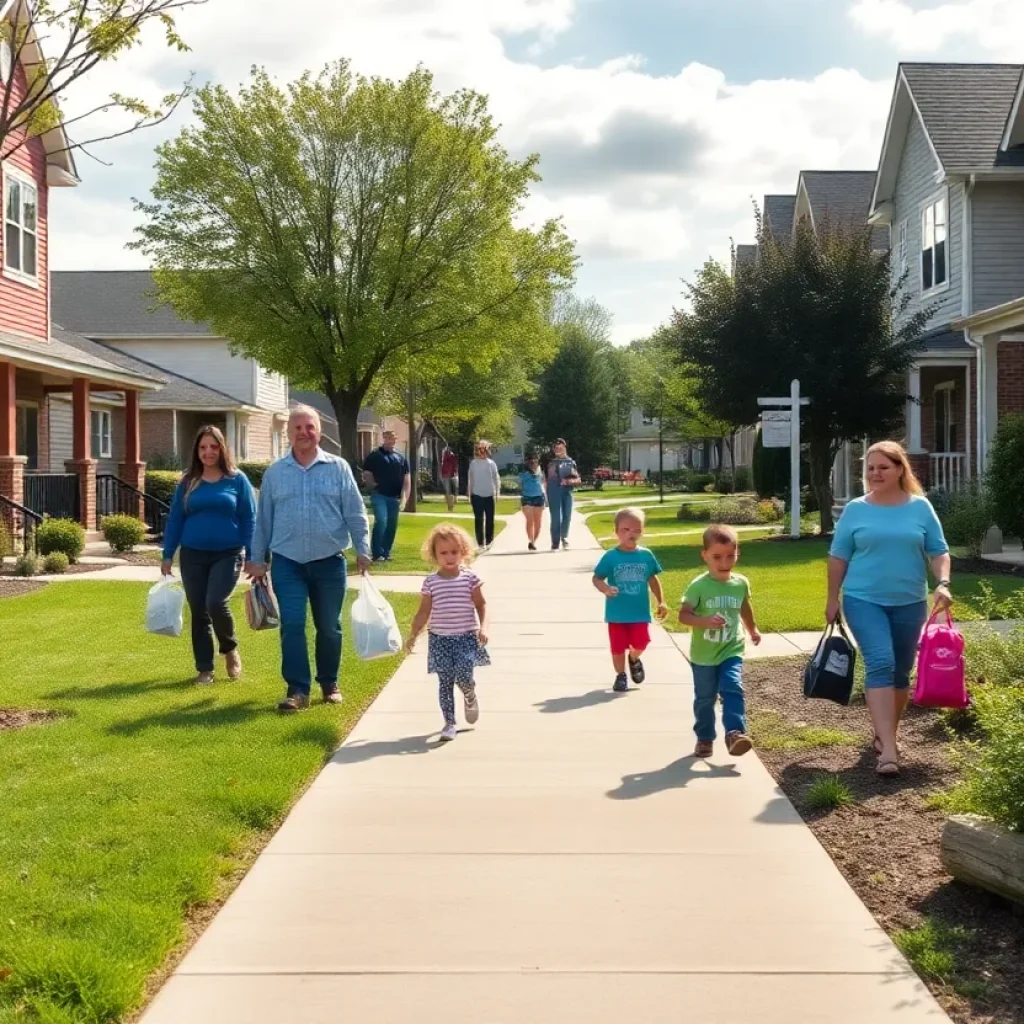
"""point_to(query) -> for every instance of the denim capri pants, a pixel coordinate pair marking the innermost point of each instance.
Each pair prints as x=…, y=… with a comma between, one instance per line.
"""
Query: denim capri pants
x=888, y=637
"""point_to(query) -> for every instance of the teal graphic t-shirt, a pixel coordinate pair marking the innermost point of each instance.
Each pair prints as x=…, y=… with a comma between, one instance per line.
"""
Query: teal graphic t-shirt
x=708, y=596
x=629, y=571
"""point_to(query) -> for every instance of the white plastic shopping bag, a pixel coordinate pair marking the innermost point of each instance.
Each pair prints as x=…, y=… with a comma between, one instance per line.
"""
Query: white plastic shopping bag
x=374, y=629
x=164, y=608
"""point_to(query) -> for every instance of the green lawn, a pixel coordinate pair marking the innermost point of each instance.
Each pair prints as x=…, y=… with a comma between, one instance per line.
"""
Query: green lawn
x=412, y=532
x=142, y=803
x=506, y=506
x=787, y=579
x=660, y=519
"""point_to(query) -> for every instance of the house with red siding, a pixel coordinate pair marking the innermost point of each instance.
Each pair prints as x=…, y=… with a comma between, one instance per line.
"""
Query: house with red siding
x=37, y=363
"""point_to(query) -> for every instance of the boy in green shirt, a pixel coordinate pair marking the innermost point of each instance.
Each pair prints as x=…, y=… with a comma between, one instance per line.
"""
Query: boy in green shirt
x=714, y=604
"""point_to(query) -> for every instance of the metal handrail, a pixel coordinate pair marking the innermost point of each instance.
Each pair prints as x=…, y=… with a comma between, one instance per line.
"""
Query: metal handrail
x=27, y=514
x=156, y=510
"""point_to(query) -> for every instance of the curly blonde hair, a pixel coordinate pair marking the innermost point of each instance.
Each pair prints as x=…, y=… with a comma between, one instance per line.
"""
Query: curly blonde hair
x=447, y=531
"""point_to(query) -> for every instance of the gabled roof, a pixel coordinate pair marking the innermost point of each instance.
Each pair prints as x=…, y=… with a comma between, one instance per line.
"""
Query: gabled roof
x=744, y=256
x=968, y=113
x=841, y=199
x=177, y=392
x=778, y=215
x=116, y=304
x=60, y=161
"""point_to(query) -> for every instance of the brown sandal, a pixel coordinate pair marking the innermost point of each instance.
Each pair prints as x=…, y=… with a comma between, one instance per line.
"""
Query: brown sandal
x=888, y=769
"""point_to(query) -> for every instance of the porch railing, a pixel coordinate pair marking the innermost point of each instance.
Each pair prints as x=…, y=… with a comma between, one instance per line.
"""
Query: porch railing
x=53, y=494
x=948, y=470
x=116, y=497
x=19, y=519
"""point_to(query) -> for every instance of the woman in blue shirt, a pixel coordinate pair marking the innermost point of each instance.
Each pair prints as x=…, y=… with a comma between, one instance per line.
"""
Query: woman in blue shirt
x=531, y=485
x=211, y=519
x=879, y=559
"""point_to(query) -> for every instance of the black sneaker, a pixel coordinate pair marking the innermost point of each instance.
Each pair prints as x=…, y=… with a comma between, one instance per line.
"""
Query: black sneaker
x=636, y=671
x=620, y=685
x=532, y=546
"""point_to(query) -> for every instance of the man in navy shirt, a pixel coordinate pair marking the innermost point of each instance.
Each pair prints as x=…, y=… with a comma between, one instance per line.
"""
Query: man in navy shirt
x=387, y=472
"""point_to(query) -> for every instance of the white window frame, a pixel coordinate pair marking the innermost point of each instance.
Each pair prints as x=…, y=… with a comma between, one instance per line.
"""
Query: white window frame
x=902, y=248
x=935, y=289
x=242, y=441
x=10, y=174
x=105, y=449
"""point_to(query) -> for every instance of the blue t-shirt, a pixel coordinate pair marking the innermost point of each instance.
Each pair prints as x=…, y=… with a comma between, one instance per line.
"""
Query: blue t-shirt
x=216, y=516
x=629, y=571
x=532, y=484
x=389, y=469
x=885, y=547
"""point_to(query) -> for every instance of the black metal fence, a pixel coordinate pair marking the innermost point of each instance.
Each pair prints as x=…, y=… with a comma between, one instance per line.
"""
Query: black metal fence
x=55, y=495
x=17, y=526
x=115, y=497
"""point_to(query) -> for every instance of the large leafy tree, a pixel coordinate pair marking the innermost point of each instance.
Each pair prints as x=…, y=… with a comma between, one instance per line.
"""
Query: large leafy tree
x=819, y=309
x=577, y=396
x=78, y=35
x=345, y=231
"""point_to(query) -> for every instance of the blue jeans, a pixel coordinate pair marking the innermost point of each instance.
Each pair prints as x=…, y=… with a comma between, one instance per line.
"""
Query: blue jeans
x=712, y=681
x=385, y=524
x=887, y=638
x=321, y=585
x=560, y=508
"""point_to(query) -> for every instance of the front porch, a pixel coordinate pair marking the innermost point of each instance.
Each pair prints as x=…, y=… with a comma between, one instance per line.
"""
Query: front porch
x=940, y=421
x=31, y=484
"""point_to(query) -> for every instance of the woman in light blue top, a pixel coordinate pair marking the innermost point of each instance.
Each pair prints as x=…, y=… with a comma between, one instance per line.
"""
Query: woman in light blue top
x=879, y=559
x=531, y=484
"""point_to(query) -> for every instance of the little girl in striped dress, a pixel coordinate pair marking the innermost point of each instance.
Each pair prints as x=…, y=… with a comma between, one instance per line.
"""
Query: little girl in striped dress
x=453, y=604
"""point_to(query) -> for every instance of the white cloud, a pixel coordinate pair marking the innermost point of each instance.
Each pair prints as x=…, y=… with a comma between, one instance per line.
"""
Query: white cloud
x=996, y=26
x=675, y=159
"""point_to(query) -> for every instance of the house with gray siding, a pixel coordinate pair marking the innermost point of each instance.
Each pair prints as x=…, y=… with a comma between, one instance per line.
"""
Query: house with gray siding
x=950, y=187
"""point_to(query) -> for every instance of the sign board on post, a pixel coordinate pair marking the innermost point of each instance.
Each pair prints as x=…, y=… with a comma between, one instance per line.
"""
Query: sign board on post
x=790, y=408
x=776, y=428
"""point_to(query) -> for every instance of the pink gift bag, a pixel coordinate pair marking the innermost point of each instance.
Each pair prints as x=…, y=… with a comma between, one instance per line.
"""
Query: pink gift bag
x=941, y=678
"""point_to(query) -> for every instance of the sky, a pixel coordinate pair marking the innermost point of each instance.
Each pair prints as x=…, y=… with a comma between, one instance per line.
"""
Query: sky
x=658, y=122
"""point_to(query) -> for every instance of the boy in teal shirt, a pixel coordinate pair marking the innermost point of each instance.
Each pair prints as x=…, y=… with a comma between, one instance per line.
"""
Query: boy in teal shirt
x=624, y=575
x=714, y=605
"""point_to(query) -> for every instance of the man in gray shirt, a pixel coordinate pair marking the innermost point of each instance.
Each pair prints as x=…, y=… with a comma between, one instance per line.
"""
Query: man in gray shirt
x=310, y=510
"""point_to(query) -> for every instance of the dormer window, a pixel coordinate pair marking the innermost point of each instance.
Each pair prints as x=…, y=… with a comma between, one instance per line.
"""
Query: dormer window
x=934, y=244
x=21, y=227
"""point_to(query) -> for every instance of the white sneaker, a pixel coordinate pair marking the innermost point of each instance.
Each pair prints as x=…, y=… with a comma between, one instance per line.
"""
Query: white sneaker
x=448, y=733
x=472, y=708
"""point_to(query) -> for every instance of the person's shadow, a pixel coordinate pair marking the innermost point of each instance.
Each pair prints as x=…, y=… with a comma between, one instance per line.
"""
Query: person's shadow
x=576, y=702
x=357, y=752
x=676, y=775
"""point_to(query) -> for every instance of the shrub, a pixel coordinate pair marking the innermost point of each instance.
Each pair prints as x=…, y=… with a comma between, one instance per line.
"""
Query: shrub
x=163, y=460
x=161, y=483
x=700, y=481
x=743, y=478
x=510, y=484
x=828, y=793
x=1006, y=475
x=65, y=535
x=424, y=481
x=939, y=500
x=677, y=479
x=56, y=563
x=968, y=518
x=700, y=511
x=123, y=533
x=6, y=540
x=724, y=482
x=26, y=565
x=254, y=471
x=770, y=510
x=741, y=510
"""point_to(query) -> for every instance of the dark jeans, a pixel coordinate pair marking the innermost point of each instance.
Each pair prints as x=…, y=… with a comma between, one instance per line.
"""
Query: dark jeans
x=321, y=585
x=483, y=518
x=385, y=524
x=209, y=578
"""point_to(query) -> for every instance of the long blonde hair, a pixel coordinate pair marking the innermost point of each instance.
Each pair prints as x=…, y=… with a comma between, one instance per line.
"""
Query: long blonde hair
x=897, y=455
x=194, y=473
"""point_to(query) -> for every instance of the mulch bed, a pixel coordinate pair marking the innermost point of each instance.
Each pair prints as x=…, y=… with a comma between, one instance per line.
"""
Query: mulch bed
x=14, y=718
x=16, y=587
x=984, y=567
x=887, y=843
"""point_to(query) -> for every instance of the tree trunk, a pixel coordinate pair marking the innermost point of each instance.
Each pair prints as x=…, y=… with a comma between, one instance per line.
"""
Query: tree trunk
x=414, y=448
x=346, y=412
x=822, y=456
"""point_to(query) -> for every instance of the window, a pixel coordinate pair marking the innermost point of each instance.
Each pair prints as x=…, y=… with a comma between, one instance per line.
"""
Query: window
x=517, y=450
x=945, y=418
x=934, y=252
x=647, y=418
x=101, y=445
x=902, y=251
x=242, y=441
x=276, y=446
x=21, y=226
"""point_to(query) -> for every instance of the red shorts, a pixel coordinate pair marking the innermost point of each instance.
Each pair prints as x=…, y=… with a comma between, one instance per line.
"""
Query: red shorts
x=626, y=635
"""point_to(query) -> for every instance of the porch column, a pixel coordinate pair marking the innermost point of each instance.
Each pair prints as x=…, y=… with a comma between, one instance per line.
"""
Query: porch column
x=12, y=465
x=133, y=469
x=914, y=412
x=990, y=396
x=82, y=465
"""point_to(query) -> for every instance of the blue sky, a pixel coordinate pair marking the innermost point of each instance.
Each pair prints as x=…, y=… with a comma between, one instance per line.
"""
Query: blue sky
x=658, y=122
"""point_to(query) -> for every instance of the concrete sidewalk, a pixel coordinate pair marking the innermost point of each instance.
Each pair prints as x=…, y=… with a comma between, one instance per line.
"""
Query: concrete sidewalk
x=564, y=862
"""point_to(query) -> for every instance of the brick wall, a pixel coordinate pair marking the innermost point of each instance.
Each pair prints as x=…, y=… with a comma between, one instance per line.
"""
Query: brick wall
x=1010, y=388
x=156, y=433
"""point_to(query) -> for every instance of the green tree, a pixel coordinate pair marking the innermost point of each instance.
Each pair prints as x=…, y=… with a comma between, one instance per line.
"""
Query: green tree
x=91, y=32
x=819, y=309
x=576, y=396
x=346, y=230
x=1005, y=477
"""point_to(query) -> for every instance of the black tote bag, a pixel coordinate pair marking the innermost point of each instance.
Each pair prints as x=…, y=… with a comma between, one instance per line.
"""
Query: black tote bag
x=829, y=673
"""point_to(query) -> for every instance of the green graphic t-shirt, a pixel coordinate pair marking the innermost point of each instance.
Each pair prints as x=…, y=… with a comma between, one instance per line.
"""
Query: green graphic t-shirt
x=708, y=596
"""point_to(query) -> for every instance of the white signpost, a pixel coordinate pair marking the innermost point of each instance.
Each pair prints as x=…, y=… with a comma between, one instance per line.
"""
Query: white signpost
x=781, y=429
